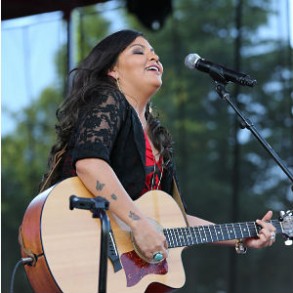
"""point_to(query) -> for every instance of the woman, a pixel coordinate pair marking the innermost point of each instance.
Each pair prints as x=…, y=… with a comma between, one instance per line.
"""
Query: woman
x=113, y=143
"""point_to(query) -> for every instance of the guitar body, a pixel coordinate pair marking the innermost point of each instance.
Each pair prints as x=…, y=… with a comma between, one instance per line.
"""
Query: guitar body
x=67, y=245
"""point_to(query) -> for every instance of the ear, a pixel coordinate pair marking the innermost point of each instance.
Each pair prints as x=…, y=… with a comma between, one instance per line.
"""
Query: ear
x=113, y=72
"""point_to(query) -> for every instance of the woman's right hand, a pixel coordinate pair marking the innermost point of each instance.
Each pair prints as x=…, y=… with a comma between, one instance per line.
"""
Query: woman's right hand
x=149, y=239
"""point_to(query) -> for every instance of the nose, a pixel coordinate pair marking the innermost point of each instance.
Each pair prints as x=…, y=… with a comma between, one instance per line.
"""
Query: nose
x=154, y=56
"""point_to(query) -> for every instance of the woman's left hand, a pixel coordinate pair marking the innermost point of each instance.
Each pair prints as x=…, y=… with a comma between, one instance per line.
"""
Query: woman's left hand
x=266, y=235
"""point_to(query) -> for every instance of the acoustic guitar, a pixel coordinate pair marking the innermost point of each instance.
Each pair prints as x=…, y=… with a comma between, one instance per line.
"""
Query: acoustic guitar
x=65, y=243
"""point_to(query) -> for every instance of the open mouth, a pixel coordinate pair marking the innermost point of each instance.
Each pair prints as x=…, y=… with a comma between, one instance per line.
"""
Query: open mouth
x=153, y=68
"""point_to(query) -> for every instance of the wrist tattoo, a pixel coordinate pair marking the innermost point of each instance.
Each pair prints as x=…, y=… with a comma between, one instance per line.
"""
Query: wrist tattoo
x=114, y=196
x=133, y=216
x=99, y=185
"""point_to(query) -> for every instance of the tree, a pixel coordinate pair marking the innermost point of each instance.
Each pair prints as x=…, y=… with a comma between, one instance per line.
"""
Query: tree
x=202, y=126
x=25, y=153
x=21, y=172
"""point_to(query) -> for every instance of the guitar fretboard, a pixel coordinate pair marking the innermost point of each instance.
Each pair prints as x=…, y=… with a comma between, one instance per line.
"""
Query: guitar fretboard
x=188, y=236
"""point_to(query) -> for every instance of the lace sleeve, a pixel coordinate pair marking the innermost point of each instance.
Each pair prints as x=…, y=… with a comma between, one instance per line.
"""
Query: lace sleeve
x=97, y=128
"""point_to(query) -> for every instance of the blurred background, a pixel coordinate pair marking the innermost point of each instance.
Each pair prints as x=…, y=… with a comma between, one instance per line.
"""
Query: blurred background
x=225, y=174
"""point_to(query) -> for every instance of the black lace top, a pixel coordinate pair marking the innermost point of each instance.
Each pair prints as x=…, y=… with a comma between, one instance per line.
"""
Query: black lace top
x=108, y=128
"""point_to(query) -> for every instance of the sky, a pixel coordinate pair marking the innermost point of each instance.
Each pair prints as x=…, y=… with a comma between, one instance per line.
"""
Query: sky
x=27, y=60
x=29, y=46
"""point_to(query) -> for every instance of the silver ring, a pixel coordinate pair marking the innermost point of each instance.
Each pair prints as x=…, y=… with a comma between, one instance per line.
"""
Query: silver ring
x=273, y=236
x=158, y=256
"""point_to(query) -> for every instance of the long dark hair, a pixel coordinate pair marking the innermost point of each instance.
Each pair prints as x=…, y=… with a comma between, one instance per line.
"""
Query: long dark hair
x=89, y=76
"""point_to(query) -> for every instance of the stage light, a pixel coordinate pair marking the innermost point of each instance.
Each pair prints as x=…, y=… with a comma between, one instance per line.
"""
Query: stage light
x=151, y=13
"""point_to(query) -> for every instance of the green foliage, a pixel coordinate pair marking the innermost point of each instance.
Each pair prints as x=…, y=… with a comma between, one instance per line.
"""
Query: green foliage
x=90, y=28
x=207, y=133
x=208, y=139
x=23, y=155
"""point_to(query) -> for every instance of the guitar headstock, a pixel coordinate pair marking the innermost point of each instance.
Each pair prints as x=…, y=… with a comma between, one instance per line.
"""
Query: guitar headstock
x=286, y=222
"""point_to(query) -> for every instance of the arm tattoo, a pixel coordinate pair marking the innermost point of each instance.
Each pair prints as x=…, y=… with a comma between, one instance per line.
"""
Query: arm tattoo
x=133, y=216
x=99, y=186
x=114, y=196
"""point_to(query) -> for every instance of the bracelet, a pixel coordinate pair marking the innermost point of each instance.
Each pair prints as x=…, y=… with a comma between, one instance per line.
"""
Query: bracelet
x=239, y=247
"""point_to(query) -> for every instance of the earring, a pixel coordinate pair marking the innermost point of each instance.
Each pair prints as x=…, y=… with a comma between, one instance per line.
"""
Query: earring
x=118, y=84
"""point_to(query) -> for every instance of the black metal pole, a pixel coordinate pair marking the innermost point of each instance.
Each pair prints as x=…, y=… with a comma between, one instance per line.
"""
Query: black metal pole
x=235, y=176
x=246, y=123
x=105, y=225
x=98, y=206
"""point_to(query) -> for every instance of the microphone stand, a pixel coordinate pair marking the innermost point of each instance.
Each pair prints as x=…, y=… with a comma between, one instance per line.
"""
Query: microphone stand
x=98, y=207
x=246, y=123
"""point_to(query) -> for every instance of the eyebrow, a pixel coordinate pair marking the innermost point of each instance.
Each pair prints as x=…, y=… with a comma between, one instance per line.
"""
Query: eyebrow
x=142, y=46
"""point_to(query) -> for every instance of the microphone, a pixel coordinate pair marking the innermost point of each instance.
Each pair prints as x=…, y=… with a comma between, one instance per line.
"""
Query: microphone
x=218, y=72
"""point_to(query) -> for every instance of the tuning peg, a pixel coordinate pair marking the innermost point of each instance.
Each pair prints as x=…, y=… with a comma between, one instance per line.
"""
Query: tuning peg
x=282, y=214
x=288, y=242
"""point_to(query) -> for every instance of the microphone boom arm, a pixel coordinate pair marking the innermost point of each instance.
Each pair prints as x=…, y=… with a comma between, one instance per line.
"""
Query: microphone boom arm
x=246, y=123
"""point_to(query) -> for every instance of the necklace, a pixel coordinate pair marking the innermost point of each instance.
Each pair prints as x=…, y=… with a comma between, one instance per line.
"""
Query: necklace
x=156, y=172
x=154, y=168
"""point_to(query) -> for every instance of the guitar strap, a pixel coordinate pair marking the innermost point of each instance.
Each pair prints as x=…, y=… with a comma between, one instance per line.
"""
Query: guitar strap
x=178, y=199
x=56, y=162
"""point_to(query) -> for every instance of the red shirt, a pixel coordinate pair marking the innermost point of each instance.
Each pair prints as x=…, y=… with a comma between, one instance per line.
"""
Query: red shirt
x=153, y=168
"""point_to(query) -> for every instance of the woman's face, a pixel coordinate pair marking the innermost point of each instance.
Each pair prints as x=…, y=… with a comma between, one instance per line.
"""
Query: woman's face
x=138, y=68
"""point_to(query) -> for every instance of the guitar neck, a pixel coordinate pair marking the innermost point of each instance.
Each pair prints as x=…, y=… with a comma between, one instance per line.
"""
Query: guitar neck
x=188, y=236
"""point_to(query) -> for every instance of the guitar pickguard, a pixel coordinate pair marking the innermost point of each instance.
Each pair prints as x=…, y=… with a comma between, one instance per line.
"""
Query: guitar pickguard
x=135, y=268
